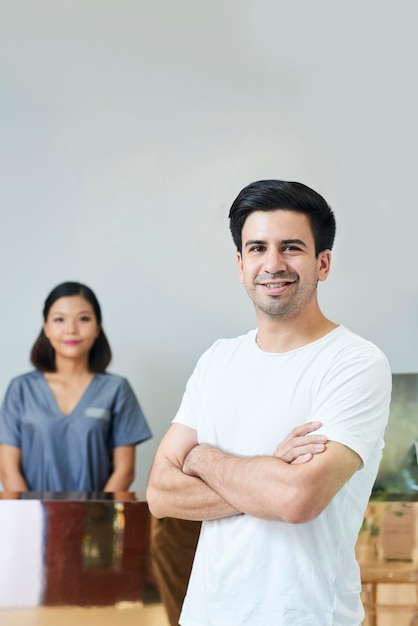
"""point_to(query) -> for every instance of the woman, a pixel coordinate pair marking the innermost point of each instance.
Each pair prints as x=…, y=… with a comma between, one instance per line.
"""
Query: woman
x=69, y=425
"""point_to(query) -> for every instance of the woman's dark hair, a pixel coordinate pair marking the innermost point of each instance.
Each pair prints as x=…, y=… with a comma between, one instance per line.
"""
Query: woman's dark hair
x=42, y=355
x=270, y=195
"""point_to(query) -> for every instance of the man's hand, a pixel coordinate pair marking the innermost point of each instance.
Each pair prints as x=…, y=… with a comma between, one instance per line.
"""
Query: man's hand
x=300, y=445
x=200, y=453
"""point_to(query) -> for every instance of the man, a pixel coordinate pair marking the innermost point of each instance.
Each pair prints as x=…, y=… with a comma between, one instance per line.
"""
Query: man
x=280, y=522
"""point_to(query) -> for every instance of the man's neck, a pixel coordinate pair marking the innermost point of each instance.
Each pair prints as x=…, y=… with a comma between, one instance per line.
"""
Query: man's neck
x=278, y=335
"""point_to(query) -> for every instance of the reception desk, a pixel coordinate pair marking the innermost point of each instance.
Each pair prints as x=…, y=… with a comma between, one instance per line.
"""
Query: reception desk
x=85, y=550
x=74, y=549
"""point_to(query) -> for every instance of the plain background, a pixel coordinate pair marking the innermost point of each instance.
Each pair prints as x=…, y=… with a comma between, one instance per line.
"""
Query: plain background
x=128, y=127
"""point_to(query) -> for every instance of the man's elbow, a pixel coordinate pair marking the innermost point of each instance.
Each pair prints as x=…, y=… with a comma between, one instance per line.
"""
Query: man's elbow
x=302, y=515
x=153, y=502
x=301, y=509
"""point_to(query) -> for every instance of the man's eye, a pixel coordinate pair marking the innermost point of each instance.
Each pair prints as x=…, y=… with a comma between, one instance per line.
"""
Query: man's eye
x=257, y=249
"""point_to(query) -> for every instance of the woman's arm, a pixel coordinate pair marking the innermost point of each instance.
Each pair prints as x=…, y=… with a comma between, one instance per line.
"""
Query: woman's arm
x=123, y=469
x=10, y=469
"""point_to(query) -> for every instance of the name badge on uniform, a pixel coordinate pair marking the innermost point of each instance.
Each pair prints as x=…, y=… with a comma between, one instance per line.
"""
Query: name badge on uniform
x=98, y=413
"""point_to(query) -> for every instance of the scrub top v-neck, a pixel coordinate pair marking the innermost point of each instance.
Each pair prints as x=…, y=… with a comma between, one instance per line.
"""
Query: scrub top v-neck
x=71, y=452
x=55, y=407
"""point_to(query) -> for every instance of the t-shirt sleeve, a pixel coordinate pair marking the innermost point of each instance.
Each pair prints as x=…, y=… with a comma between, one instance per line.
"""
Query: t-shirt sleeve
x=188, y=411
x=129, y=424
x=10, y=413
x=353, y=403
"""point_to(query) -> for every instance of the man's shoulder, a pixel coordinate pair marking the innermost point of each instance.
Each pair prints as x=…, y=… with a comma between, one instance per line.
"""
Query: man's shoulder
x=224, y=349
x=230, y=344
x=352, y=354
x=350, y=342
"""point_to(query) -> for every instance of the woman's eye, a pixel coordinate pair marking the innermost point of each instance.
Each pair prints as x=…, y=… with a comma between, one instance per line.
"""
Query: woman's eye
x=85, y=318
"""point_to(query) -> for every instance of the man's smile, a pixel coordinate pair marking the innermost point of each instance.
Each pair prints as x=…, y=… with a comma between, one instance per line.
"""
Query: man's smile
x=275, y=286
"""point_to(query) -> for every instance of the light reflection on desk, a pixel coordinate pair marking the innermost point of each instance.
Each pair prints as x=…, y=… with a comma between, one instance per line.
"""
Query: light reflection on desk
x=74, y=549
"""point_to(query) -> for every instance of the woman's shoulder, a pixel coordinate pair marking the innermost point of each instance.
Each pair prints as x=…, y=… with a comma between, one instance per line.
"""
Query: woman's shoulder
x=109, y=379
x=23, y=384
x=113, y=387
x=110, y=376
x=26, y=378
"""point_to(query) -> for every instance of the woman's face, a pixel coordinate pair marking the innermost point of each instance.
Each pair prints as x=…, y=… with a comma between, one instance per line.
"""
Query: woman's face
x=71, y=327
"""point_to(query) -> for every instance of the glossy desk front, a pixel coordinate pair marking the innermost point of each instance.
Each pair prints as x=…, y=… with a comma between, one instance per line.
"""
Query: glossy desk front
x=74, y=549
x=89, y=549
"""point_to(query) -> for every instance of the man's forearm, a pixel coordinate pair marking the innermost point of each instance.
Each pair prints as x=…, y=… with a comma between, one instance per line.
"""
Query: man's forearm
x=245, y=482
x=214, y=484
x=172, y=493
x=268, y=487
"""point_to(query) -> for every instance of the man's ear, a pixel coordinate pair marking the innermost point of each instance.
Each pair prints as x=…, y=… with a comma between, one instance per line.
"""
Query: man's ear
x=324, y=264
x=240, y=267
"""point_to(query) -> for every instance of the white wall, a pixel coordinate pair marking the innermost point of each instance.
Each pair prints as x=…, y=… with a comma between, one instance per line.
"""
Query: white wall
x=129, y=126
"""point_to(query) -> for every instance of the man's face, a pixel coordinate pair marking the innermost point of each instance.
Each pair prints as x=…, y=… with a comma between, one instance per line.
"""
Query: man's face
x=277, y=265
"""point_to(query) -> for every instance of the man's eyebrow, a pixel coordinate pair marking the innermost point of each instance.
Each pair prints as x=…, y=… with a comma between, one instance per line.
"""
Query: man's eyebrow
x=256, y=242
x=283, y=242
x=286, y=242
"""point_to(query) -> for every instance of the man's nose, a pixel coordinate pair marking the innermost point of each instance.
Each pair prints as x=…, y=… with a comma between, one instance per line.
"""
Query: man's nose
x=274, y=261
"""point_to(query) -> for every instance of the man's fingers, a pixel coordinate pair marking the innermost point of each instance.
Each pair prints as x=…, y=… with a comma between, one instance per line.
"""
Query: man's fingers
x=304, y=429
x=303, y=458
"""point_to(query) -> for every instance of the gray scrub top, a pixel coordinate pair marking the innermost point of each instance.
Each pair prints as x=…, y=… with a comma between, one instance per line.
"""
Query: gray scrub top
x=70, y=452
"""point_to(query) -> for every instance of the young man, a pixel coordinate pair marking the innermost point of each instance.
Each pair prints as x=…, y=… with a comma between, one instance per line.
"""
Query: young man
x=280, y=520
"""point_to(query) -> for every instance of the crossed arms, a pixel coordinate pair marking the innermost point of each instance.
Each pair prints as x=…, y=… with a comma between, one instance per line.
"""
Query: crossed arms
x=201, y=482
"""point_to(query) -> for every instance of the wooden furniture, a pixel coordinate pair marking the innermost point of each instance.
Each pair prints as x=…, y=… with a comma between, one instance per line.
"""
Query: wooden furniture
x=387, y=555
x=83, y=550
x=387, y=572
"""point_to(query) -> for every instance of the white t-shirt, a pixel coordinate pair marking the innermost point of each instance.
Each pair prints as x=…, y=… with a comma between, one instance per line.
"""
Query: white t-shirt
x=249, y=571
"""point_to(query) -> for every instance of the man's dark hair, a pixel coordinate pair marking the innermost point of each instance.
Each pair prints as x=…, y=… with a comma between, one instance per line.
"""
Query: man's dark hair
x=42, y=355
x=269, y=195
